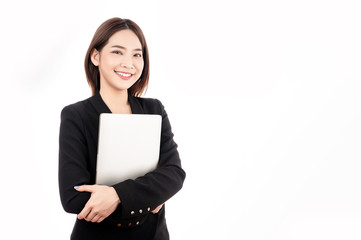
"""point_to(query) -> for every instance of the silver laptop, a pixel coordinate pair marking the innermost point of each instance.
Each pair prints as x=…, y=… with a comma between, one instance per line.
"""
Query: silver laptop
x=128, y=146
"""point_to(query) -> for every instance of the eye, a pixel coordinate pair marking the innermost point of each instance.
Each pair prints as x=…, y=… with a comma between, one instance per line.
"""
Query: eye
x=117, y=52
x=137, y=55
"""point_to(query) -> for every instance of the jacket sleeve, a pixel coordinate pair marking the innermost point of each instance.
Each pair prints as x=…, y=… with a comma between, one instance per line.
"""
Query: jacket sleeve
x=73, y=164
x=145, y=193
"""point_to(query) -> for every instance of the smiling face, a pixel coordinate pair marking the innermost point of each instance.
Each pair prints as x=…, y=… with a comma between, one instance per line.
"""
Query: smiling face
x=120, y=62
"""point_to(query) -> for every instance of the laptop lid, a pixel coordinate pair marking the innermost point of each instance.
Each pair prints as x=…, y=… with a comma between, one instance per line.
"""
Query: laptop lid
x=128, y=146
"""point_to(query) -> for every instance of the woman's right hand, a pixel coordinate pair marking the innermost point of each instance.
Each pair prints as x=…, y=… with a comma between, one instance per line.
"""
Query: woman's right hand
x=103, y=202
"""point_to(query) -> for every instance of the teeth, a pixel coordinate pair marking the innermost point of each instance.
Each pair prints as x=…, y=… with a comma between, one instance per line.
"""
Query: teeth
x=124, y=74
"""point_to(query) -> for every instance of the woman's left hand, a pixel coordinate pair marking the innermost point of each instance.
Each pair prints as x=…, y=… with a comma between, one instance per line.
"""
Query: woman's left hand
x=157, y=209
x=103, y=202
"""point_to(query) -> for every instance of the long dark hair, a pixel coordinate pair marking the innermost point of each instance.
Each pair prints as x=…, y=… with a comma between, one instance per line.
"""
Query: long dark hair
x=101, y=38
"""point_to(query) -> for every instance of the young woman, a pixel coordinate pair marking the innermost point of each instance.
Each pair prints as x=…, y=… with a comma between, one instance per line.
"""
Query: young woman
x=117, y=70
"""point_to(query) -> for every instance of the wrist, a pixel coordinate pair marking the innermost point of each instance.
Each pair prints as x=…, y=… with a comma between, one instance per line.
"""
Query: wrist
x=116, y=196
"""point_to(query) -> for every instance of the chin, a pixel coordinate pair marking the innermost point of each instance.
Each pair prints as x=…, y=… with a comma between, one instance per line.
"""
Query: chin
x=118, y=84
x=123, y=87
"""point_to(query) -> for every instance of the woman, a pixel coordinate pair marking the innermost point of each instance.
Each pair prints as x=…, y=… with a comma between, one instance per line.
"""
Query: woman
x=117, y=70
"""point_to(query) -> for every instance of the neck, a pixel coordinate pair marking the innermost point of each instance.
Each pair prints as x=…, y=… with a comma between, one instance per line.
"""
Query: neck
x=116, y=101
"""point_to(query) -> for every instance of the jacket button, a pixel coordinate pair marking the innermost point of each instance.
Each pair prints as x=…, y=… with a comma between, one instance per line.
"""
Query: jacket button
x=140, y=210
x=129, y=224
x=148, y=209
x=119, y=225
x=138, y=223
x=132, y=212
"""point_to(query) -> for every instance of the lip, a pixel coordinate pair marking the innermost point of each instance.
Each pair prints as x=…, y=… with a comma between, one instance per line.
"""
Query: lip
x=124, y=77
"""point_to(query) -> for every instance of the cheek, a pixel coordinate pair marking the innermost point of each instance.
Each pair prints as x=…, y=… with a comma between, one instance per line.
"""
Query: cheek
x=110, y=62
x=140, y=66
x=104, y=65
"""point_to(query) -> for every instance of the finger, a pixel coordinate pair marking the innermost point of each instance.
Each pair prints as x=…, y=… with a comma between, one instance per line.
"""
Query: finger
x=94, y=219
x=154, y=211
x=100, y=219
x=91, y=216
x=84, y=213
x=157, y=209
x=85, y=188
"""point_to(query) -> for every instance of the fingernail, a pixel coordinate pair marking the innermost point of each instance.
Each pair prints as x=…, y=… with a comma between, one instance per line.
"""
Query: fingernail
x=76, y=187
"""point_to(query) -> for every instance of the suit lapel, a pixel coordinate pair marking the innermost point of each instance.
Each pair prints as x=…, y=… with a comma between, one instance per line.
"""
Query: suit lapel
x=101, y=107
x=135, y=105
x=99, y=104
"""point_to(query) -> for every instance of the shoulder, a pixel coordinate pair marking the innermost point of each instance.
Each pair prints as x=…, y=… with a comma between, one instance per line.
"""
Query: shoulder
x=150, y=105
x=76, y=109
x=148, y=101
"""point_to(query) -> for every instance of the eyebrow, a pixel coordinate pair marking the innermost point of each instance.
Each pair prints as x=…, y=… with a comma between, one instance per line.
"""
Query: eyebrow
x=118, y=46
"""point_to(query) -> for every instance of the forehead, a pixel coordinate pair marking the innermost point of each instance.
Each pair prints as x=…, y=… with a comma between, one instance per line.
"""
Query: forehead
x=125, y=38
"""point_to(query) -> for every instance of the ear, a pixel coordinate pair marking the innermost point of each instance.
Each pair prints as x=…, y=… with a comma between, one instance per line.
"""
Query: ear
x=94, y=57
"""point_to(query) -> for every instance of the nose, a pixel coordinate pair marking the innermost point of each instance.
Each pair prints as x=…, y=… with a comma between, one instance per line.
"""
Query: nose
x=127, y=63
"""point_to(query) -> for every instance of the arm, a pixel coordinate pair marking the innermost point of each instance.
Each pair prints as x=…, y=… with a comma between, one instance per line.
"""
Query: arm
x=103, y=202
x=91, y=202
x=146, y=193
x=138, y=196
x=73, y=164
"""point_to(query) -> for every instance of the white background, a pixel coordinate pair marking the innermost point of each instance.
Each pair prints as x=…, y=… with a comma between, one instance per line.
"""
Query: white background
x=263, y=96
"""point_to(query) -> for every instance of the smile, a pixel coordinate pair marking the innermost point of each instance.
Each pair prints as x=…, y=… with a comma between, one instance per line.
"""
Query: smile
x=124, y=75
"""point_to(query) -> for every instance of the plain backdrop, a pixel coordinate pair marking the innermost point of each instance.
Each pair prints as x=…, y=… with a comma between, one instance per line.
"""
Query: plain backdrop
x=263, y=97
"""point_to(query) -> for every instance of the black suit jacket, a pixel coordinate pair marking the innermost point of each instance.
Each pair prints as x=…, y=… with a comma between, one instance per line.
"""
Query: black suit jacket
x=77, y=166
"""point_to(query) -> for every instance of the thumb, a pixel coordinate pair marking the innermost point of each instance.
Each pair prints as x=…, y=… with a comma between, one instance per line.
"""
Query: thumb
x=84, y=188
